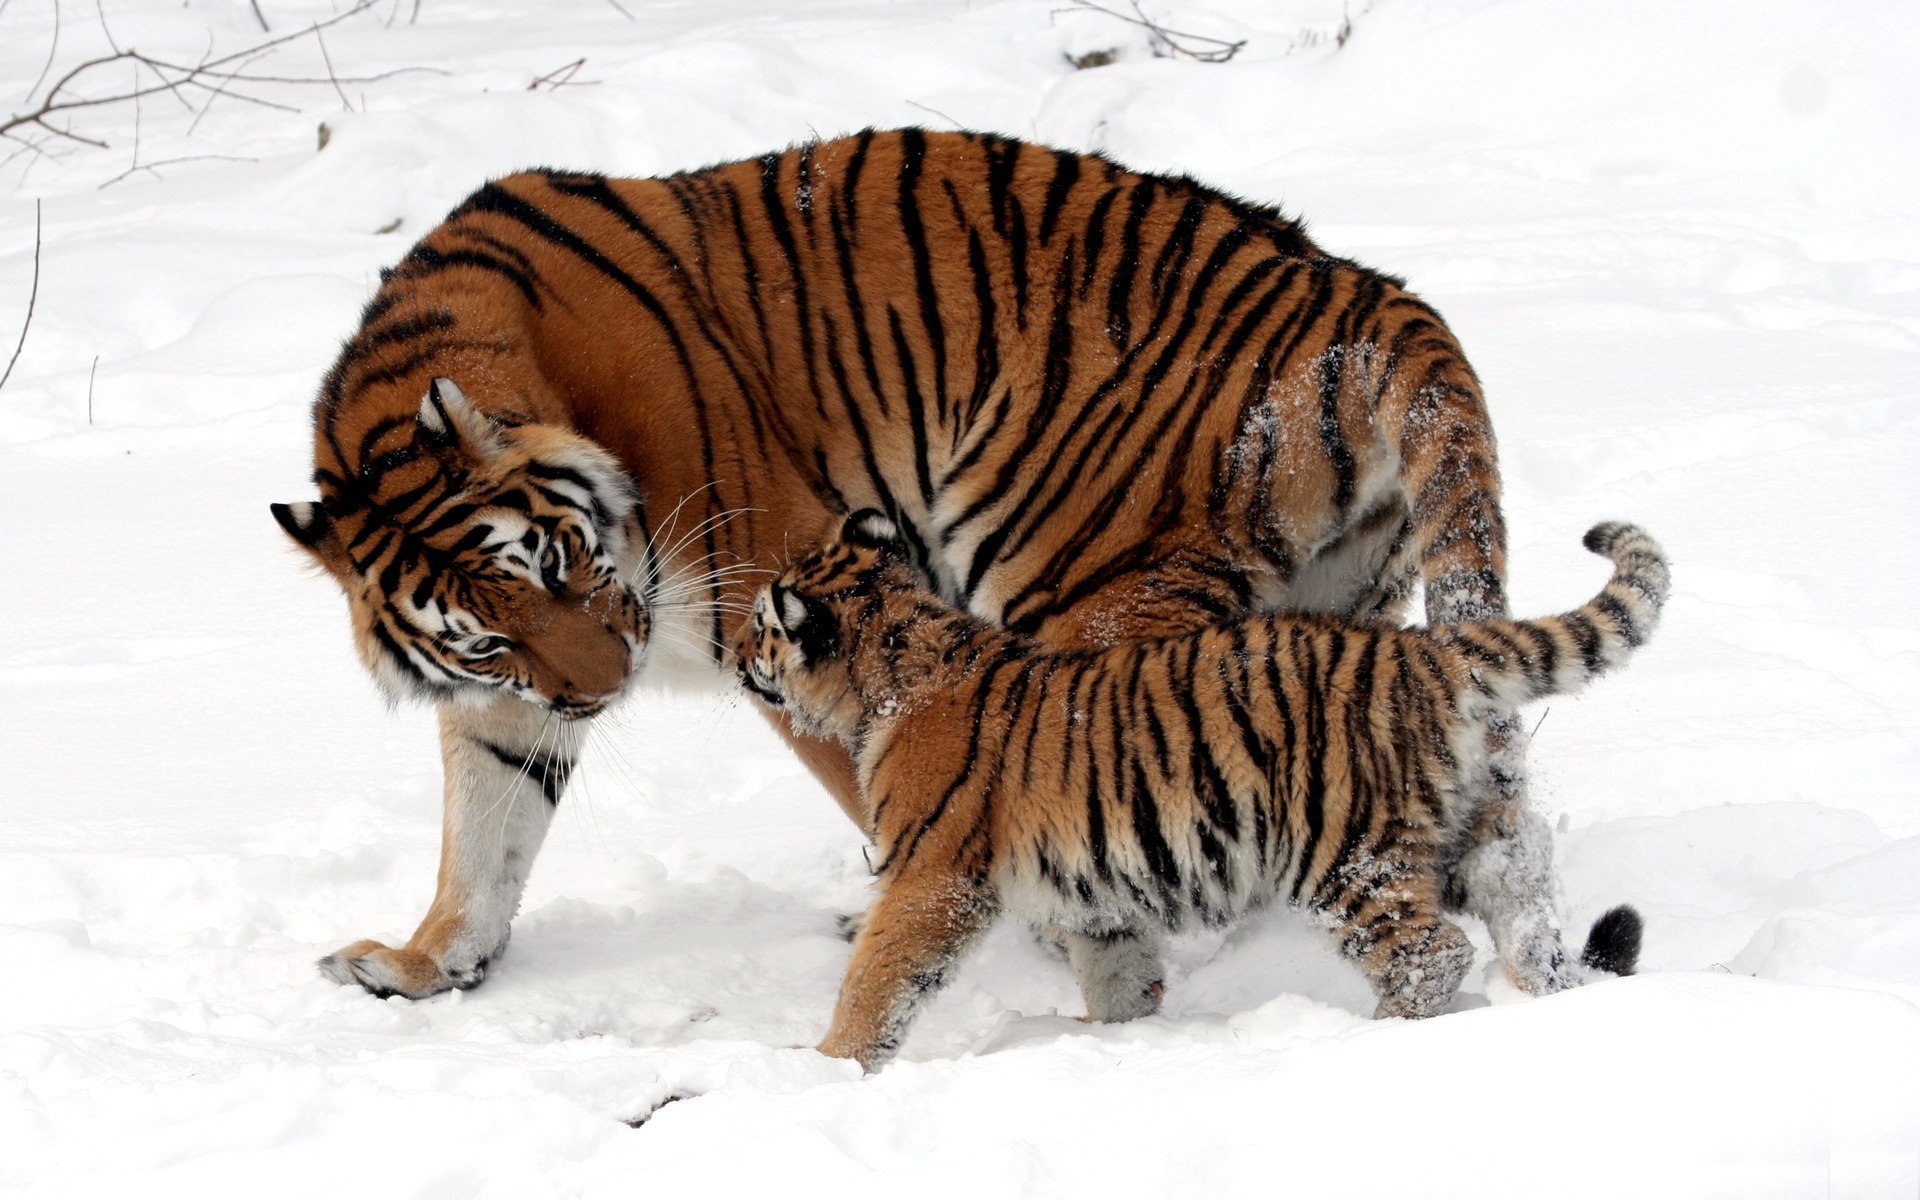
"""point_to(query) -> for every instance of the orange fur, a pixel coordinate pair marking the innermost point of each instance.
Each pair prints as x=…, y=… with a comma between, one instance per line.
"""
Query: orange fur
x=1100, y=404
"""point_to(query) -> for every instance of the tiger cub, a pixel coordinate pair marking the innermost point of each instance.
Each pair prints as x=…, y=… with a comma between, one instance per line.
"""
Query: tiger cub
x=1120, y=793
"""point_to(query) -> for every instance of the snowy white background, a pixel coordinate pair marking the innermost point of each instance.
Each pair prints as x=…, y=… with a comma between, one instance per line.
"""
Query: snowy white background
x=1681, y=243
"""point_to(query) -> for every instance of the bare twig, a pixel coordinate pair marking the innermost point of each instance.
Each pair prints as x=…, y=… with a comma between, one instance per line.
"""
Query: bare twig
x=137, y=106
x=936, y=112
x=328, y=59
x=25, y=145
x=562, y=76
x=210, y=75
x=150, y=168
x=208, y=106
x=90, y=373
x=51, y=51
x=260, y=17
x=1338, y=35
x=623, y=12
x=1165, y=41
x=100, y=10
x=33, y=294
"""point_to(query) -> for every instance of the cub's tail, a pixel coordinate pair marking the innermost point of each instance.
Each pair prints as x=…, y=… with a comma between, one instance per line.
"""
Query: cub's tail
x=1517, y=661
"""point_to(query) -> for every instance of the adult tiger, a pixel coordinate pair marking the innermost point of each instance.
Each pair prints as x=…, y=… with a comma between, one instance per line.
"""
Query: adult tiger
x=1097, y=404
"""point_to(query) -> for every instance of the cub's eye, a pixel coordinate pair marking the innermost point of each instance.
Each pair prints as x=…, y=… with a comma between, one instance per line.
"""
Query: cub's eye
x=486, y=646
x=550, y=564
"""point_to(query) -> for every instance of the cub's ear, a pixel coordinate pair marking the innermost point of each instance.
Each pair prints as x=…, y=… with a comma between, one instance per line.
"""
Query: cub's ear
x=312, y=530
x=448, y=420
x=793, y=610
x=809, y=622
x=870, y=527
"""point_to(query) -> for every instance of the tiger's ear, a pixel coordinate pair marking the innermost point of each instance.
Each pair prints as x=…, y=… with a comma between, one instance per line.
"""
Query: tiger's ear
x=872, y=528
x=312, y=530
x=448, y=420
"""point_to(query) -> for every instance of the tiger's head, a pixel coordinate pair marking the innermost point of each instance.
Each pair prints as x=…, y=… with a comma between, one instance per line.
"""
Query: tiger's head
x=795, y=652
x=482, y=559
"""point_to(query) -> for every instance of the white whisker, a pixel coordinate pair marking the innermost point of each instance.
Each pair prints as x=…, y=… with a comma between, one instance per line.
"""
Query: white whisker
x=507, y=796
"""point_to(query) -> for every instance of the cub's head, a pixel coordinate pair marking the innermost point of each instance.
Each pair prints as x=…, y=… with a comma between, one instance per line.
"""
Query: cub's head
x=794, y=651
x=481, y=559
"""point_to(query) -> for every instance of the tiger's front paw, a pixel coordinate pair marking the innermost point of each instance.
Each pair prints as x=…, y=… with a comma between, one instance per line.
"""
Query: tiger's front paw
x=384, y=971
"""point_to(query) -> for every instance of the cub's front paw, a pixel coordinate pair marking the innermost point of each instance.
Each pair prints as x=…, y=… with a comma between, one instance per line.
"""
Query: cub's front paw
x=384, y=971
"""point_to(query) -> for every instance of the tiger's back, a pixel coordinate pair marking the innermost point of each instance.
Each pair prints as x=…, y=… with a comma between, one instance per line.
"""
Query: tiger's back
x=1003, y=347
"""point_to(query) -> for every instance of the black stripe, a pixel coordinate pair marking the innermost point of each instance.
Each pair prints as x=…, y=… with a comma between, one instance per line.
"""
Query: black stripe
x=913, y=150
x=1120, y=283
x=548, y=769
x=1066, y=172
x=424, y=262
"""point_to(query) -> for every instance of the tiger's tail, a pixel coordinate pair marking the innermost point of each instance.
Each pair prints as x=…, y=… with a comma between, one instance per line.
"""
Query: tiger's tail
x=1613, y=944
x=1514, y=662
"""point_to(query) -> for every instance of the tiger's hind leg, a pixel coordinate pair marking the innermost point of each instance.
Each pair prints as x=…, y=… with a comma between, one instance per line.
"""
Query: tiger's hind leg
x=1193, y=581
x=1506, y=875
x=1121, y=972
x=914, y=935
x=505, y=768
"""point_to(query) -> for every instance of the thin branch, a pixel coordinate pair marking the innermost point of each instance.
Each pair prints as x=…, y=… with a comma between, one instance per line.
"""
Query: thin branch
x=100, y=10
x=137, y=106
x=616, y=7
x=90, y=373
x=260, y=17
x=562, y=76
x=32, y=295
x=208, y=106
x=1203, y=48
x=936, y=112
x=65, y=133
x=168, y=162
x=25, y=145
x=175, y=91
x=51, y=51
x=335, y=79
x=199, y=75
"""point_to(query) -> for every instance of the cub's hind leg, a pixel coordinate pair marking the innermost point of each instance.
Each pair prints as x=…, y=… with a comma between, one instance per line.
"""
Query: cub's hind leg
x=1122, y=972
x=914, y=935
x=1416, y=968
x=505, y=766
x=1388, y=919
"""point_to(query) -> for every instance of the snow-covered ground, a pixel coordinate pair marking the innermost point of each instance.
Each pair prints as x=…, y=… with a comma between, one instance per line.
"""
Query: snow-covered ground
x=1681, y=243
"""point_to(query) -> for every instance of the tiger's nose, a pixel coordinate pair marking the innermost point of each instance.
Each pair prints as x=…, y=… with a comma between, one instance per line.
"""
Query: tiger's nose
x=571, y=701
